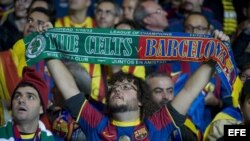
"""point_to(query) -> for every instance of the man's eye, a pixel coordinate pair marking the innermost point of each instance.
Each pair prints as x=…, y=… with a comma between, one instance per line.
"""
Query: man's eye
x=17, y=96
x=40, y=22
x=158, y=91
x=29, y=20
x=109, y=12
x=170, y=91
x=125, y=87
x=31, y=97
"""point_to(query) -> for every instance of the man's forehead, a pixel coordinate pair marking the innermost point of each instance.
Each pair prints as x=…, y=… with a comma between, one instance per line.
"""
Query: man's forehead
x=106, y=6
x=124, y=81
x=197, y=19
x=152, y=5
x=26, y=89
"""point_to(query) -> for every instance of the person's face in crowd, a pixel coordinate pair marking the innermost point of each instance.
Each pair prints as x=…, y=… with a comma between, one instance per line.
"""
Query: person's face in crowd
x=105, y=15
x=123, y=97
x=157, y=17
x=78, y=4
x=6, y=2
x=128, y=7
x=161, y=89
x=26, y=104
x=33, y=21
x=245, y=75
x=42, y=4
x=196, y=24
x=21, y=7
x=245, y=108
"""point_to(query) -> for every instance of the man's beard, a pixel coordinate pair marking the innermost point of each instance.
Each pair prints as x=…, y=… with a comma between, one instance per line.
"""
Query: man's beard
x=164, y=102
x=123, y=108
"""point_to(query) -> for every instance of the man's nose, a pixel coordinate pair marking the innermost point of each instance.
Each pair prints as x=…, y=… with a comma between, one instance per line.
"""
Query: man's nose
x=166, y=95
x=21, y=100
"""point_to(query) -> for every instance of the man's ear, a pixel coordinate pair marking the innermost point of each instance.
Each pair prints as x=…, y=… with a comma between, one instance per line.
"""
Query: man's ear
x=117, y=19
x=146, y=20
x=210, y=29
x=41, y=110
x=140, y=102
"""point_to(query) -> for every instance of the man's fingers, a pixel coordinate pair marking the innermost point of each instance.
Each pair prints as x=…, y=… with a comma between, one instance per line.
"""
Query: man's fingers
x=44, y=27
x=220, y=35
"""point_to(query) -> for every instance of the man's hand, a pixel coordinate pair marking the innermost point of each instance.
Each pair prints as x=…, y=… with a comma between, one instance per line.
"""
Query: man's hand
x=44, y=27
x=221, y=36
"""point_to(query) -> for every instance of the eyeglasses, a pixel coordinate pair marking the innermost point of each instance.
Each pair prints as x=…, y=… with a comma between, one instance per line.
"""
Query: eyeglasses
x=196, y=29
x=158, y=11
x=161, y=90
x=123, y=86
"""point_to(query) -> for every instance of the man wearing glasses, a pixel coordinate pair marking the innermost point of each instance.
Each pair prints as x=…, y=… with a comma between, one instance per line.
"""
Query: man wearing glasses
x=107, y=14
x=197, y=23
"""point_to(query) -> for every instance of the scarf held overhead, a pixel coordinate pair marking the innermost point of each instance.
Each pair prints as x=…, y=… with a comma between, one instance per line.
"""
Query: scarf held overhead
x=130, y=47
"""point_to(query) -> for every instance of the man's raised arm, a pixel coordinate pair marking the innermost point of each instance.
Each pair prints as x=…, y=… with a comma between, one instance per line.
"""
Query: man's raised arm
x=196, y=82
x=193, y=87
x=63, y=78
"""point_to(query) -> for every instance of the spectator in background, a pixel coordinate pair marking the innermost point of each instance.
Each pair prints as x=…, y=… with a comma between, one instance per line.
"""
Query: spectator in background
x=12, y=28
x=197, y=23
x=77, y=15
x=128, y=7
x=187, y=7
x=107, y=14
x=150, y=16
